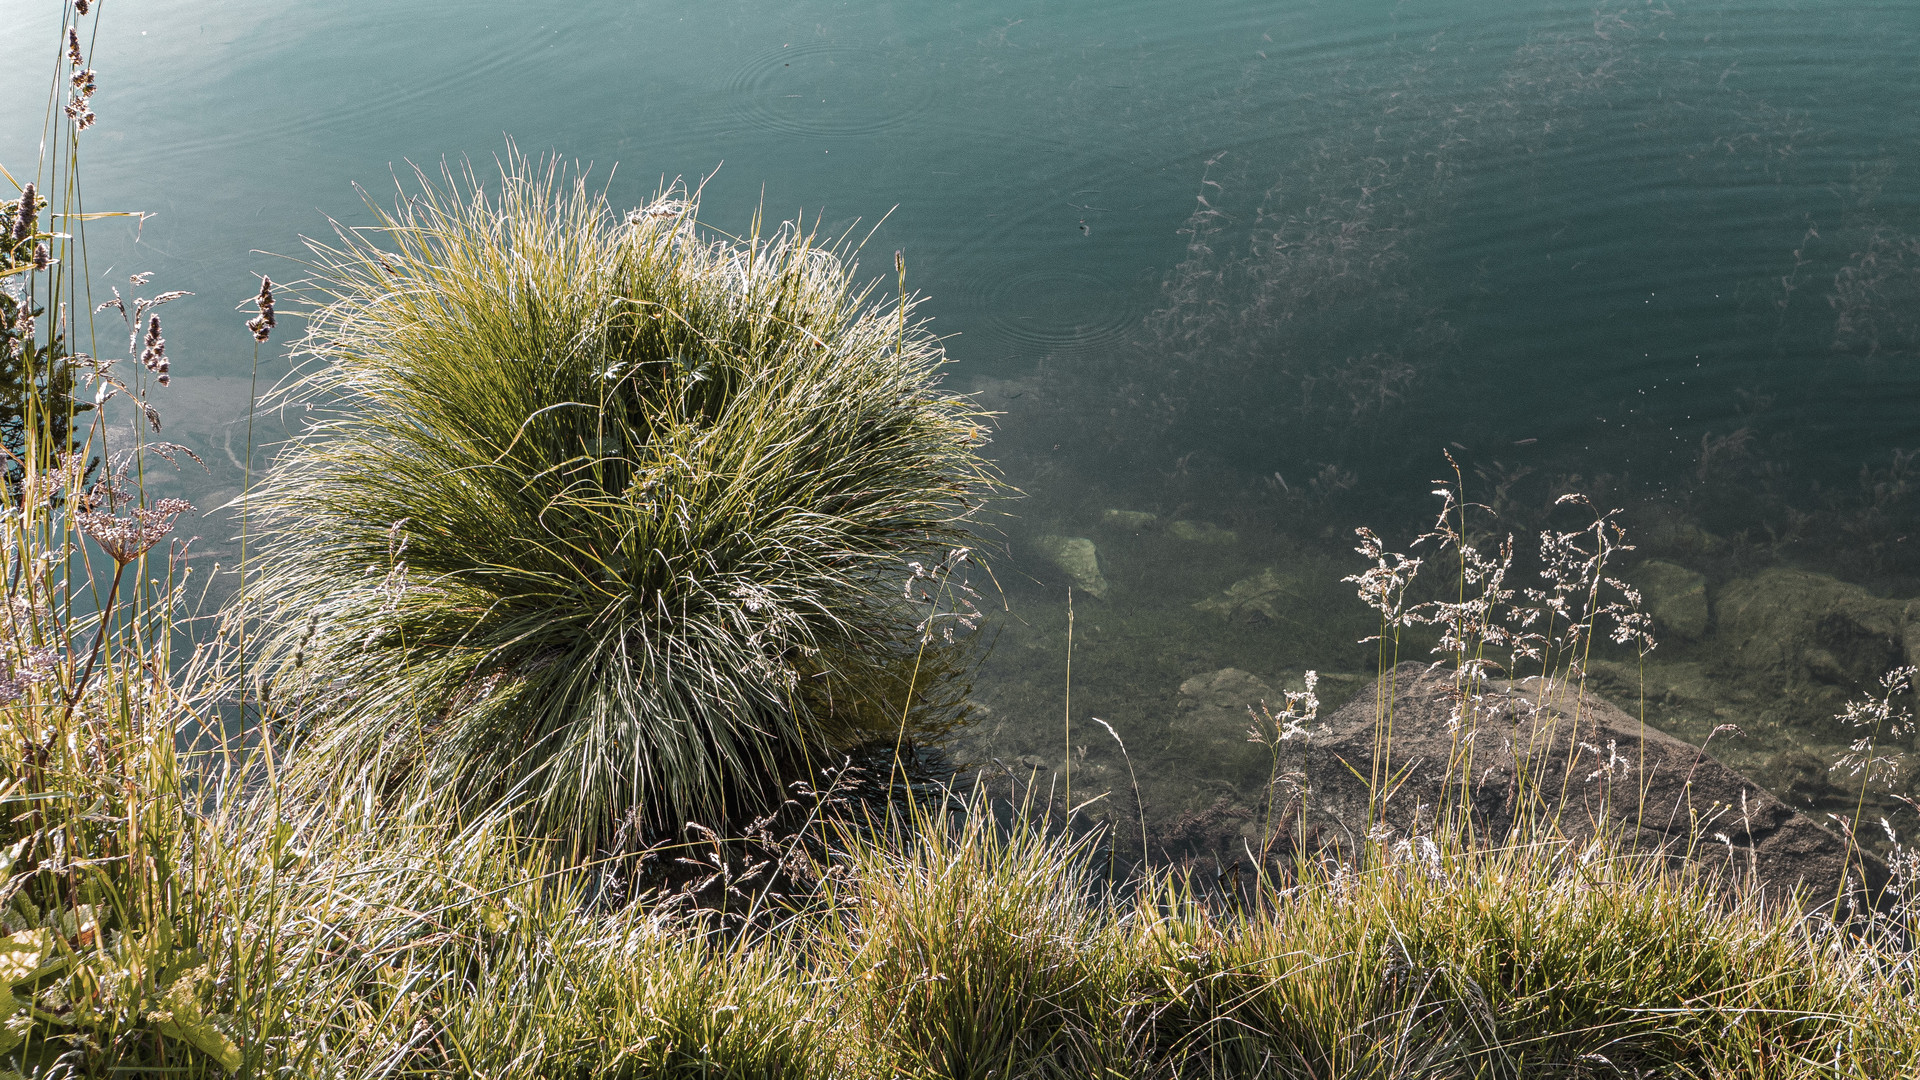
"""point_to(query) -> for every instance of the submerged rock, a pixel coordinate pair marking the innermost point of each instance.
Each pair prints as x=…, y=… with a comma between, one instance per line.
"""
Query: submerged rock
x=1210, y=727
x=1800, y=776
x=1792, y=626
x=1078, y=558
x=1134, y=520
x=1263, y=594
x=1675, y=596
x=1574, y=758
x=1202, y=532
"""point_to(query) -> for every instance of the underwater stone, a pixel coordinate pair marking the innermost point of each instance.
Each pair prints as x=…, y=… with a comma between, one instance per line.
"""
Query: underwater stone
x=1210, y=728
x=1077, y=556
x=1681, y=536
x=1675, y=596
x=1128, y=519
x=1262, y=594
x=1911, y=638
x=1796, y=627
x=1201, y=532
x=1800, y=777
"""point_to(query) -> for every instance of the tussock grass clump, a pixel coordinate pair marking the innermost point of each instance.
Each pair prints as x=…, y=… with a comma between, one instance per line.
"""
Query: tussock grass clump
x=602, y=516
x=1542, y=959
x=979, y=953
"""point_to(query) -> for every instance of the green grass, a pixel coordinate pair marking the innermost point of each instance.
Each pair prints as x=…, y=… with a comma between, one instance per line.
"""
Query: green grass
x=604, y=518
x=369, y=947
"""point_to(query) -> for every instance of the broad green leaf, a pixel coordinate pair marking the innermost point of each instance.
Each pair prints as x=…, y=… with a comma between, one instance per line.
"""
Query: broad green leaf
x=21, y=955
x=180, y=1017
x=14, y=1025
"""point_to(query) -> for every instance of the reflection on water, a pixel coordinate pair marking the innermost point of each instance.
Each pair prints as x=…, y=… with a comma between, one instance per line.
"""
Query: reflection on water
x=1234, y=274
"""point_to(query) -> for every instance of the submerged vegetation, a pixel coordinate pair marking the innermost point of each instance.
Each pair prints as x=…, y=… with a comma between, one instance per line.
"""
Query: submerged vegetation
x=604, y=526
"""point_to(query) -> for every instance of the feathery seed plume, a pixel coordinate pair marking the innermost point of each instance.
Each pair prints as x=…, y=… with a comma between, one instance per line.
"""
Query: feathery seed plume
x=79, y=107
x=155, y=353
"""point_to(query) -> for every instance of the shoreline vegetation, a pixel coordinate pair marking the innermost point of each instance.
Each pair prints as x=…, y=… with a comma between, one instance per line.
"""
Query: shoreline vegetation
x=568, y=723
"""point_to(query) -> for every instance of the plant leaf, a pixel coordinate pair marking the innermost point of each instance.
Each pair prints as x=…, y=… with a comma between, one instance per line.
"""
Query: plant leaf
x=181, y=1018
x=21, y=954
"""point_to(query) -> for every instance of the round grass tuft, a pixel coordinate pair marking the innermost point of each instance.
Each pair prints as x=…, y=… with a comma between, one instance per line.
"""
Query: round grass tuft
x=602, y=517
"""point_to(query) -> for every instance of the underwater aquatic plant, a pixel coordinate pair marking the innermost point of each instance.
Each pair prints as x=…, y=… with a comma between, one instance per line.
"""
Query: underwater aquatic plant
x=603, y=517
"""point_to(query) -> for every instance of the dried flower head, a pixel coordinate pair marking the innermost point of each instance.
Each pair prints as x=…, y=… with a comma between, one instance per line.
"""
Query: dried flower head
x=18, y=674
x=262, y=324
x=127, y=538
x=41, y=257
x=81, y=6
x=73, y=48
x=663, y=208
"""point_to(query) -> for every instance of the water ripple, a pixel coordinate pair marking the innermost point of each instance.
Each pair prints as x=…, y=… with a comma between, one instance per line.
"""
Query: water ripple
x=825, y=89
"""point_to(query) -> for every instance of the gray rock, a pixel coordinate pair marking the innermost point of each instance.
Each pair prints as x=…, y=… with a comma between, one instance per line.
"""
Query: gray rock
x=1264, y=594
x=1524, y=753
x=1133, y=520
x=1202, y=532
x=1078, y=558
x=1675, y=596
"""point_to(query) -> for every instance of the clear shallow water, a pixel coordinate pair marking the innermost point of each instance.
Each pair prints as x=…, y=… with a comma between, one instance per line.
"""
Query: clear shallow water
x=1247, y=265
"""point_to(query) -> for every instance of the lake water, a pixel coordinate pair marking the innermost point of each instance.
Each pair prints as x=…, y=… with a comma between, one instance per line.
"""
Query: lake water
x=1247, y=267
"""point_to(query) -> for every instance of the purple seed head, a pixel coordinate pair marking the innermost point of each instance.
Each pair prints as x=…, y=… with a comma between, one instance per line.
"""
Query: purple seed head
x=27, y=217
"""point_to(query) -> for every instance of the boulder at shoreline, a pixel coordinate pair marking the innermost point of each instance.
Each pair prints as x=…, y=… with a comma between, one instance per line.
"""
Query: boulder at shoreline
x=1526, y=748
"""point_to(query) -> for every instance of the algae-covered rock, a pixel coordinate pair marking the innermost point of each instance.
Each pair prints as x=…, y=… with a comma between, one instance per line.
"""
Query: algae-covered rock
x=1078, y=558
x=1800, y=777
x=1264, y=594
x=1210, y=726
x=1679, y=536
x=1675, y=596
x=1202, y=532
x=1792, y=626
